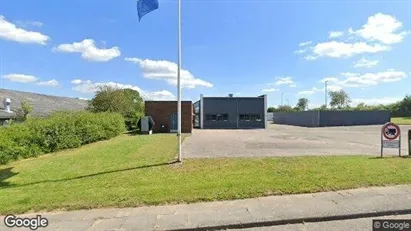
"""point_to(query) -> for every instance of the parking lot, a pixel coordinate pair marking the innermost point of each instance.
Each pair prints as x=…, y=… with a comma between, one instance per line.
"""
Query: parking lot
x=283, y=140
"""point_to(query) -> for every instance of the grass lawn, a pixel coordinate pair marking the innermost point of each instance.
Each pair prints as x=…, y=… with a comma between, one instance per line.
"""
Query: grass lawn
x=401, y=120
x=136, y=170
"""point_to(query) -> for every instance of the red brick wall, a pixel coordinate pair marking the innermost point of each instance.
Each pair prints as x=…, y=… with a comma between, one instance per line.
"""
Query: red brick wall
x=161, y=110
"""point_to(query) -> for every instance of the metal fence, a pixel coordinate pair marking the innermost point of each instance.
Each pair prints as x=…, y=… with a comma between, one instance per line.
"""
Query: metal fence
x=331, y=118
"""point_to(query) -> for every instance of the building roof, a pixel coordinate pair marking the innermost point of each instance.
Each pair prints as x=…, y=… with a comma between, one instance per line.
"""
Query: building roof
x=233, y=97
x=42, y=105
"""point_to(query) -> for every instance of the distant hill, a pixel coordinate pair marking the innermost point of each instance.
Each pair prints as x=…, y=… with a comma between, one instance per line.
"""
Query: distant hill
x=43, y=105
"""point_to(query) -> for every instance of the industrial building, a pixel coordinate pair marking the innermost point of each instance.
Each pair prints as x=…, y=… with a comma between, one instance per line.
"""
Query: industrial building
x=230, y=112
x=164, y=115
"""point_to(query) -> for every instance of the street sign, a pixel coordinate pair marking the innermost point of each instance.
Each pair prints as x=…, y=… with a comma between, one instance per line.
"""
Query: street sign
x=390, y=137
x=391, y=143
x=391, y=131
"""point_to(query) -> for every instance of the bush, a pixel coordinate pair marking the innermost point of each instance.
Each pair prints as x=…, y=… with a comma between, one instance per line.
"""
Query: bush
x=61, y=130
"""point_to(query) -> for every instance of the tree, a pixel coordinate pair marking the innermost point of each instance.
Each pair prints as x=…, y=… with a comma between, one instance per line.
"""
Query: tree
x=271, y=109
x=339, y=99
x=127, y=102
x=302, y=104
x=22, y=113
x=284, y=108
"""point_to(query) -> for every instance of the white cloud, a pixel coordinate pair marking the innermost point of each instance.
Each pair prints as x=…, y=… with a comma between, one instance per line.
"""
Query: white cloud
x=300, y=51
x=310, y=92
x=390, y=75
x=382, y=28
x=357, y=80
x=284, y=81
x=366, y=63
x=292, y=85
x=335, y=34
x=270, y=90
x=377, y=35
x=50, y=83
x=305, y=43
x=166, y=70
x=30, y=23
x=76, y=81
x=310, y=57
x=375, y=101
x=36, y=23
x=20, y=78
x=88, y=86
x=336, y=49
x=10, y=31
x=89, y=51
x=329, y=79
x=334, y=88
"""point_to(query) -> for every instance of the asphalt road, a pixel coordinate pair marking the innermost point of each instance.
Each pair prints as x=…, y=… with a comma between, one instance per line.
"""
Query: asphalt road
x=283, y=140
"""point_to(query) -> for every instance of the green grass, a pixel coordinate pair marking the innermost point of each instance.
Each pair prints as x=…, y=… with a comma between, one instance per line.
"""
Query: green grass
x=401, y=120
x=135, y=170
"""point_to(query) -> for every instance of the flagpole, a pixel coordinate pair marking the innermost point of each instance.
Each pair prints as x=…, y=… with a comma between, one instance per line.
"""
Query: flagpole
x=178, y=84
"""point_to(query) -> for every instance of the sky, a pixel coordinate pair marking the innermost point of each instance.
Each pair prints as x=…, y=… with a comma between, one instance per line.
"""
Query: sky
x=284, y=49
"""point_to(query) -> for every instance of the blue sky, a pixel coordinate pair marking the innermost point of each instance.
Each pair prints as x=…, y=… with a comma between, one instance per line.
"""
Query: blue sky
x=248, y=48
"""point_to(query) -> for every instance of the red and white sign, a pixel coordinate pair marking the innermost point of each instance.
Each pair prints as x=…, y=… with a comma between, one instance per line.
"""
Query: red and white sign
x=391, y=131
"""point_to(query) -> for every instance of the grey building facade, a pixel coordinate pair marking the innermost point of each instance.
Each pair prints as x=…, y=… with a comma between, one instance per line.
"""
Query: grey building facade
x=230, y=112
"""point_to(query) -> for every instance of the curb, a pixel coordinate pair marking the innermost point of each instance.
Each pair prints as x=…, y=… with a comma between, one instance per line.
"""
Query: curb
x=299, y=220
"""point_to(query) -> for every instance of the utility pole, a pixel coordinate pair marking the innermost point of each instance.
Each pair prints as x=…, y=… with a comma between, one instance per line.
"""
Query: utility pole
x=325, y=91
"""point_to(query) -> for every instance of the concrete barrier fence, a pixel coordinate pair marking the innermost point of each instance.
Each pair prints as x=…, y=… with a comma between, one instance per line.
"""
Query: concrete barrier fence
x=331, y=118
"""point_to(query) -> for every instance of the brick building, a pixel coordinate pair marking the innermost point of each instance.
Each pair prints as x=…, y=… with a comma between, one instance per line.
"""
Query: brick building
x=164, y=114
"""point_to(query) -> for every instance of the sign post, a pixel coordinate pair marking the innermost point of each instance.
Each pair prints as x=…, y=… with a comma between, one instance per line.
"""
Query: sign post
x=391, y=137
x=409, y=142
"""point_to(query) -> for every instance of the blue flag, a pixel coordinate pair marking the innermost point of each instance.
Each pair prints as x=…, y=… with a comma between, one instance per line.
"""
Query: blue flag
x=146, y=6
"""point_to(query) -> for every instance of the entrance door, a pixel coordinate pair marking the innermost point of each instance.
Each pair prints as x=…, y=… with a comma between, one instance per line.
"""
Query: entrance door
x=172, y=120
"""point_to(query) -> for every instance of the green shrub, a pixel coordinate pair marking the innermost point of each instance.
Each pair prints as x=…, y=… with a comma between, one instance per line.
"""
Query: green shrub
x=61, y=130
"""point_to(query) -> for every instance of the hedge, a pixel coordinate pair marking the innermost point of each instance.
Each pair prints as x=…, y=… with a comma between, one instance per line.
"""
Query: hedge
x=61, y=130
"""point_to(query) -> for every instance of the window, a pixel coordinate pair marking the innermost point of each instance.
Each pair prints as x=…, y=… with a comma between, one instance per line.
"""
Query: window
x=250, y=117
x=242, y=118
x=258, y=117
x=222, y=117
x=217, y=117
x=225, y=117
x=213, y=117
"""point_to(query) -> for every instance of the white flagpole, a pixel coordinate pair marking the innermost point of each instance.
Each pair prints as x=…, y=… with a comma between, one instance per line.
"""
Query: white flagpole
x=178, y=84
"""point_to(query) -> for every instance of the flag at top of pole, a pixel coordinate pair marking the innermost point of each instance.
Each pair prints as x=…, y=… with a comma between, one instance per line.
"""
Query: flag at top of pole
x=144, y=7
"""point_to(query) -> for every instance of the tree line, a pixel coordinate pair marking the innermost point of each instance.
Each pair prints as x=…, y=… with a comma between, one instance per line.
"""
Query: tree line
x=340, y=100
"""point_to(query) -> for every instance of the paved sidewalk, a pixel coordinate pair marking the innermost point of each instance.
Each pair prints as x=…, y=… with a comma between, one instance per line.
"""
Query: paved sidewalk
x=273, y=210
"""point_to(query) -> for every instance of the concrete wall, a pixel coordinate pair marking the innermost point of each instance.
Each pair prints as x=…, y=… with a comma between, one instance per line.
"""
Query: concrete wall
x=332, y=118
x=269, y=117
x=233, y=106
x=304, y=118
x=349, y=118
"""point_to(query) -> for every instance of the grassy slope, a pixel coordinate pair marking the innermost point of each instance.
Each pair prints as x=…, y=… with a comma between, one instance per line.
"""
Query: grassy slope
x=402, y=120
x=133, y=171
